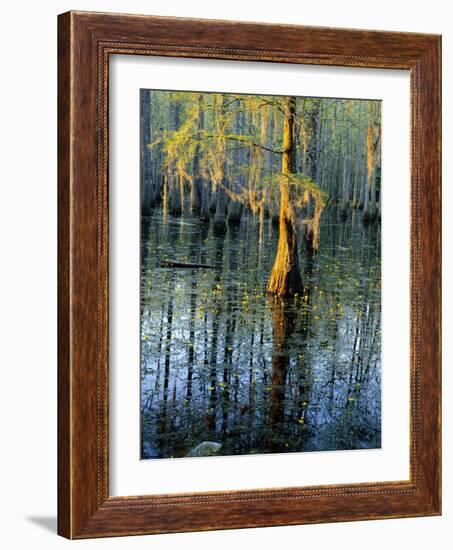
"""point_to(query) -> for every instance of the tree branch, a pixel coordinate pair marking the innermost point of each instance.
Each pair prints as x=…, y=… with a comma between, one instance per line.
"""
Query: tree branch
x=253, y=144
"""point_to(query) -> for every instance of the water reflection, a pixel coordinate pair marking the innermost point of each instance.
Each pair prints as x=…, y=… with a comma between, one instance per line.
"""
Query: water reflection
x=222, y=361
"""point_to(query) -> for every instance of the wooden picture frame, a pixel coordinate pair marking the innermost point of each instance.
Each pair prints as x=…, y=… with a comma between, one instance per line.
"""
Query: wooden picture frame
x=85, y=42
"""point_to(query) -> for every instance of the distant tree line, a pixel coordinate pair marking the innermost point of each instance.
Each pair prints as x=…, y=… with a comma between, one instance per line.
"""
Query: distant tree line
x=218, y=155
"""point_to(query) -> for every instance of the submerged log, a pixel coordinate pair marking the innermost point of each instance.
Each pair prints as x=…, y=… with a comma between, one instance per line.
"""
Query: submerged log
x=171, y=263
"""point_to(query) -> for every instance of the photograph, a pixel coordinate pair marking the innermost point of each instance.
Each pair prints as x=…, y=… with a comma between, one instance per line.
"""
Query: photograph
x=226, y=258
x=260, y=274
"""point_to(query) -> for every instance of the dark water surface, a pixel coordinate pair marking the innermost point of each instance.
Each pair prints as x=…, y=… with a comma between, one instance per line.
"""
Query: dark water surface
x=222, y=361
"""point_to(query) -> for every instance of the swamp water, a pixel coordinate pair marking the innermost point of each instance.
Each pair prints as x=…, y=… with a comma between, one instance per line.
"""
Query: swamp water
x=222, y=361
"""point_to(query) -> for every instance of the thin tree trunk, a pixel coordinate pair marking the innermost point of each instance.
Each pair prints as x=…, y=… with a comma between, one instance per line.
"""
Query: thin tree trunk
x=205, y=214
x=220, y=213
x=174, y=188
x=235, y=207
x=318, y=145
x=358, y=162
x=145, y=153
x=196, y=189
x=346, y=166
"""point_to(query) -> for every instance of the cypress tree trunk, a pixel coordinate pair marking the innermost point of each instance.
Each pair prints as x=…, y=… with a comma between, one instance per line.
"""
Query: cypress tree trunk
x=373, y=195
x=346, y=171
x=378, y=214
x=145, y=153
x=363, y=191
x=220, y=213
x=369, y=207
x=204, y=213
x=318, y=145
x=268, y=169
x=366, y=201
x=174, y=187
x=213, y=200
x=196, y=189
x=314, y=142
x=335, y=191
x=373, y=209
x=357, y=166
x=174, y=196
x=234, y=212
x=235, y=207
x=285, y=279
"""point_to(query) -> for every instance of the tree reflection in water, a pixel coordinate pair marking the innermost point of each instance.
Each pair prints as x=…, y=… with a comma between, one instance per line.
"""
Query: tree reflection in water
x=223, y=361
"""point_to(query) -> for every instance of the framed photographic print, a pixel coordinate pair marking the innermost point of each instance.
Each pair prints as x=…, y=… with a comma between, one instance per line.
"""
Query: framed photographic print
x=249, y=275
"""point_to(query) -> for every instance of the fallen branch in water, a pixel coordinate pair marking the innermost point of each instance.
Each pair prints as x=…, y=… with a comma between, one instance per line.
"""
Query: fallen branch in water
x=171, y=263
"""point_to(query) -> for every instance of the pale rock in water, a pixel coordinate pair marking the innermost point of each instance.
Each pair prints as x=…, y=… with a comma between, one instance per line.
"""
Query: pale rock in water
x=207, y=448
